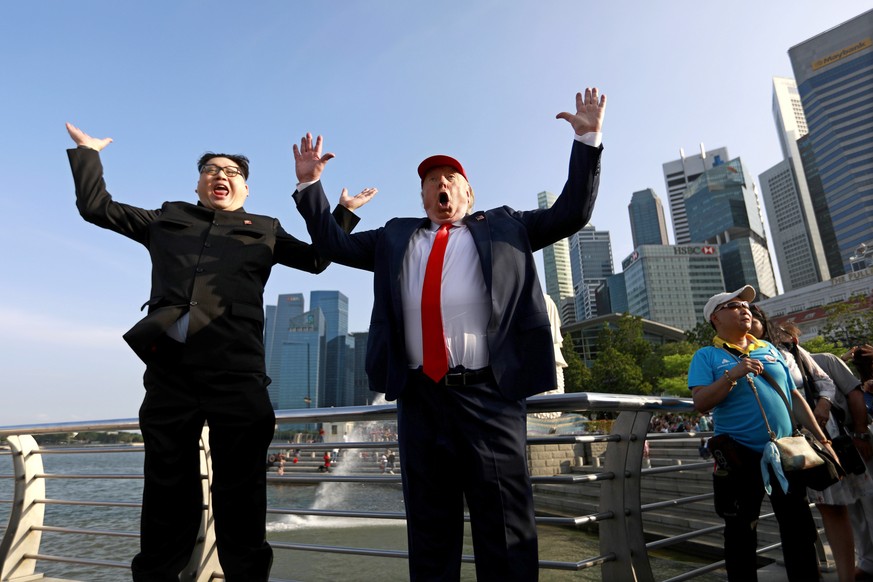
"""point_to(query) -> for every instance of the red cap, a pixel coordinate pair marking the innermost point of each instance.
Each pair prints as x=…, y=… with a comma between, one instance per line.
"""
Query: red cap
x=434, y=161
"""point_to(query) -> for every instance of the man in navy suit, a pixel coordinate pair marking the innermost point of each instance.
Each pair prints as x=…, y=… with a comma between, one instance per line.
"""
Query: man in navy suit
x=462, y=430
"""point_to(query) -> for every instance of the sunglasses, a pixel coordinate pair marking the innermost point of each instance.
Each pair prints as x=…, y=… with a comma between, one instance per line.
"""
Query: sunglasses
x=733, y=305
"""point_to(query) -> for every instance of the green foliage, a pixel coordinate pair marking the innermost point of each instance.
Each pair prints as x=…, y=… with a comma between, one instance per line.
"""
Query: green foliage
x=654, y=366
x=849, y=323
x=819, y=345
x=677, y=365
x=676, y=386
x=577, y=376
x=616, y=372
x=626, y=337
x=700, y=335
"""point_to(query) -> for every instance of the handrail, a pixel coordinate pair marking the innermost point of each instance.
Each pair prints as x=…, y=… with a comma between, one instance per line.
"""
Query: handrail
x=619, y=515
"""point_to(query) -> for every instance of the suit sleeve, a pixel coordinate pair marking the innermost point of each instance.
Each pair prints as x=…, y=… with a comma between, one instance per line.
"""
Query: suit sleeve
x=353, y=250
x=572, y=210
x=297, y=254
x=96, y=205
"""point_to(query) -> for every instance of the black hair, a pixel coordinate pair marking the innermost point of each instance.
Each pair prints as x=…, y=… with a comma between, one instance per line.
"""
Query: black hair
x=240, y=160
x=772, y=332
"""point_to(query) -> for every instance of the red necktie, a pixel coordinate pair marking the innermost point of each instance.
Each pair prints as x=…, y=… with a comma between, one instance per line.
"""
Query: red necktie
x=436, y=357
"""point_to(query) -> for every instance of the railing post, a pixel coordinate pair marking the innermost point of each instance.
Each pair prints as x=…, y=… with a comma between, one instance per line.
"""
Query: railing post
x=623, y=535
x=22, y=536
x=204, y=564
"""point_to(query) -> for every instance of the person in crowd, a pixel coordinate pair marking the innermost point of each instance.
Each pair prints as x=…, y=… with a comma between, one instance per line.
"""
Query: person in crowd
x=720, y=378
x=862, y=359
x=460, y=336
x=861, y=512
x=821, y=393
x=202, y=343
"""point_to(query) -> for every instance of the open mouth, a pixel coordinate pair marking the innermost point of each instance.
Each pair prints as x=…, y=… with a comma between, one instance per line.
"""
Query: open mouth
x=220, y=191
x=444, y=198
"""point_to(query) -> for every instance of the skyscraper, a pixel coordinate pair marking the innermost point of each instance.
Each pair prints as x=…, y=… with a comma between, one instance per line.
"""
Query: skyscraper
x=301, y=377
x=794, y=225
x=361, y=393
x=276, y=325
x=723, y=209
x=677, y=175
x=648, y=225
x=337, y=379
x=834, y=73
x=556, y=262
x=670, y=284
x=591, y=264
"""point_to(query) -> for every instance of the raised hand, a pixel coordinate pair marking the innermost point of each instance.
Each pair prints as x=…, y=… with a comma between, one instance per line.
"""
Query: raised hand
x=354, y=202
x=308, y=159
x=589, y=112
x=83, y=139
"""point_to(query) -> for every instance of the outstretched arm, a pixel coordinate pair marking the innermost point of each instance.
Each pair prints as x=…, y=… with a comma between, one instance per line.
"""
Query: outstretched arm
x=83, y=139
x=590, y=110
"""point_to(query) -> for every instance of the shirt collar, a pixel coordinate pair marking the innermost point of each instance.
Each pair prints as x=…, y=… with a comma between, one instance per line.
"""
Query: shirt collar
x=753, y=344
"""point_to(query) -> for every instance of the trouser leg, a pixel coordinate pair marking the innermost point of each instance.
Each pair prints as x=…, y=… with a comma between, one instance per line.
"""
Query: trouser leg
x=432, y=494
x=797, y=531
x=241, y=424
x=172, y=491
x=491, y=433
x=738, y=492
x=861, y=515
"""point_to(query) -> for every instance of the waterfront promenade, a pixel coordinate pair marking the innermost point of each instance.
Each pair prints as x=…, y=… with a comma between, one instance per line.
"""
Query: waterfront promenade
x=619, y=517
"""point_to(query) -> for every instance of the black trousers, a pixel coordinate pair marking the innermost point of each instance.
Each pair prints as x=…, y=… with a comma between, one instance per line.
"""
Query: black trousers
x=236, y=406
x=466, y=442
x=738, y=493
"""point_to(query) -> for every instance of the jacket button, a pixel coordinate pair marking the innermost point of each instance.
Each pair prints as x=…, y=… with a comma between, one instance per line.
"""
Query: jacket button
x=192, y=303
x=199, y=269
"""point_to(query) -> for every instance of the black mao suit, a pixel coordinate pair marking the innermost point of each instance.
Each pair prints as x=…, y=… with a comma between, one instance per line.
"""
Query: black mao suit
x=466, y=440
x=212, y=265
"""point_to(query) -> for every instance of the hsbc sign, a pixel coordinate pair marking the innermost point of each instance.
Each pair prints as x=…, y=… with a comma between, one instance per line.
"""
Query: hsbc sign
x=694, y=250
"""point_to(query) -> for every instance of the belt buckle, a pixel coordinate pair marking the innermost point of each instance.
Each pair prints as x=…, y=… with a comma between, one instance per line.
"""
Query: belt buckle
x=456, y=379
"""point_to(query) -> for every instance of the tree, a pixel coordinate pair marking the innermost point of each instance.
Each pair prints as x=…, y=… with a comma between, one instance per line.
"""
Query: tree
x=674, y=380
x=577, y=376
x=655, y=367
x=616, y=372
x=626, y=337
x=700, y=335
x=819, y=345
x=849, y=323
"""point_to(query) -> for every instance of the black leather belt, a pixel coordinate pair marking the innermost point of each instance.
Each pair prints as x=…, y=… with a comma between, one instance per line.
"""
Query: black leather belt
x=464, y=377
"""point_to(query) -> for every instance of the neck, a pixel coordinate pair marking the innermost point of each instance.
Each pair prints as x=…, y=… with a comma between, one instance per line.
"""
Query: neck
x=739, y=339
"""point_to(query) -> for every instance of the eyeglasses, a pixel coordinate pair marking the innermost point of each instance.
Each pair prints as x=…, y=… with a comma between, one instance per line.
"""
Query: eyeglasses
x=213, y=170
x=733, y=305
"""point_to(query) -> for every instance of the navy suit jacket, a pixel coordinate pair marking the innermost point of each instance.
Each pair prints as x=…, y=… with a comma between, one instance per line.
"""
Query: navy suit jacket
x=520, y=344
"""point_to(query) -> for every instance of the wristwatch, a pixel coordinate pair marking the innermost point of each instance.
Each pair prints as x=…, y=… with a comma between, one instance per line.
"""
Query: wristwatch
x=864, y=436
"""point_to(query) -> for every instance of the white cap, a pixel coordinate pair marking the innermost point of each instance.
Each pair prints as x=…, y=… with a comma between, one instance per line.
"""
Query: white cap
x=746, y=293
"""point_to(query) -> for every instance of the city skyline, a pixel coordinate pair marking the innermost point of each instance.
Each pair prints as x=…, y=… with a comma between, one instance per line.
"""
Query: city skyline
x=170, y=80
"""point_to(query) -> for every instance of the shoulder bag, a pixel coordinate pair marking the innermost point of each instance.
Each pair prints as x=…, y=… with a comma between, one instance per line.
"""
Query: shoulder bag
x=804, y=460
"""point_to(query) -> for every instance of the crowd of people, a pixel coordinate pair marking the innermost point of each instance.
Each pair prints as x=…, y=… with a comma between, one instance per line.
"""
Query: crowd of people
x=760, y=385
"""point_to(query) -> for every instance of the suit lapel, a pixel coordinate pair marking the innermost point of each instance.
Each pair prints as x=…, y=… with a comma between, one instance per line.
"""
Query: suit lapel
x=478, y=225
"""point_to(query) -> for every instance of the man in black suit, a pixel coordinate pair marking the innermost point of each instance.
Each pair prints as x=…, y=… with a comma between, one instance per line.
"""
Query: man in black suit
x=202, y=342
x=461, y=409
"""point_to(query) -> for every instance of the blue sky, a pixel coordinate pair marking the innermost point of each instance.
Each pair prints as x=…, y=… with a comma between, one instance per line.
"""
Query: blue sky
x=387, y=82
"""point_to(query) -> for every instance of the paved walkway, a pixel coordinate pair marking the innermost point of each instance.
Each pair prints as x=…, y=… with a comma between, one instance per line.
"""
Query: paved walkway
x=775, y=572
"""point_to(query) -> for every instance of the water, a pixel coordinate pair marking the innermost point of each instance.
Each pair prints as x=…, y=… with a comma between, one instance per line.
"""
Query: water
x=556, y=543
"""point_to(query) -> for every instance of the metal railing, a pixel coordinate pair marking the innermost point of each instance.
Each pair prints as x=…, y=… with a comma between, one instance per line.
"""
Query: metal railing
x=616, y=511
